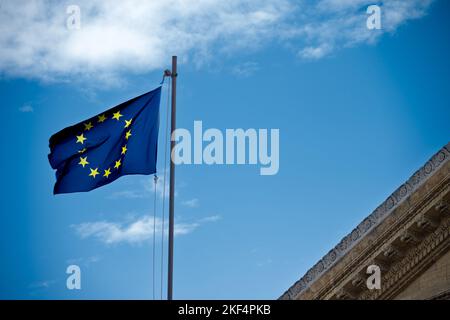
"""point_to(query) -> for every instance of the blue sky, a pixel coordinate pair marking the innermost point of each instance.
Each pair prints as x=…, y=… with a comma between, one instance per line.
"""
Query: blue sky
x=358, y=113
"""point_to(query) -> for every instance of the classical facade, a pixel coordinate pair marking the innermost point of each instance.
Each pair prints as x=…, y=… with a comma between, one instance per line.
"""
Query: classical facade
x=406, y=238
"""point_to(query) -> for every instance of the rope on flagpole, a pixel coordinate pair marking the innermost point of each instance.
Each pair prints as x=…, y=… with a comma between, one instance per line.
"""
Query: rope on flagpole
x=155, y=181
x=164, y=183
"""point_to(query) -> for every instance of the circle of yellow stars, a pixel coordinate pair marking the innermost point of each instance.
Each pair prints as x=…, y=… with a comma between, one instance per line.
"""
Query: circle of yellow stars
x=81, y=139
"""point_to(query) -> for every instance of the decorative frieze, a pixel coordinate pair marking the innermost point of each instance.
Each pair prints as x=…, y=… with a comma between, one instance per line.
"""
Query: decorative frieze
x=391, y=253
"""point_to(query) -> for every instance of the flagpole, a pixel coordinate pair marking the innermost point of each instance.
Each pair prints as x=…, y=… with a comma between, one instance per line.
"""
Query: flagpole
x=172, y=180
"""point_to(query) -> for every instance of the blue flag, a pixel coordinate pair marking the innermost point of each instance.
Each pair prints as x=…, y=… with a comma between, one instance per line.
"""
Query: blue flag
x=120, y=141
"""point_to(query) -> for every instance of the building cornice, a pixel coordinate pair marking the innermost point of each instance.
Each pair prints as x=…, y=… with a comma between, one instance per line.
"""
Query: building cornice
x=394, y=202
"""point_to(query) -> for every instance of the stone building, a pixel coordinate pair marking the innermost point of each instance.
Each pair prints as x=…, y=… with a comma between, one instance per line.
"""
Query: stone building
x=406, y=237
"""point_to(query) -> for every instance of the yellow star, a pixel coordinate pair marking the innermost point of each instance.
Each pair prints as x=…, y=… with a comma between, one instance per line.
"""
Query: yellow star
x=107, y=173
x=94, y=172
x=124, y=149
x=128, y=123
x=88, y=126
x=128, y=134
x=118, y=163
x=101, y=118
x=83, y=161
x=117, y=115
x=82, y=150
x=81, y=138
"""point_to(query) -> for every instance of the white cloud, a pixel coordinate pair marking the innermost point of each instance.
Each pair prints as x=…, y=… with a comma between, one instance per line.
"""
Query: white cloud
x=211, y=218
x=335, y=24
x=26, y=108
x=315, y=52
x=146, y=189
x=193, y=203
x=136, y=231
x=128, y=194
x=84, y=261
x=42, y=284
x=140, y=36
x=264, y=262
x=130, y=35
x=245, y=69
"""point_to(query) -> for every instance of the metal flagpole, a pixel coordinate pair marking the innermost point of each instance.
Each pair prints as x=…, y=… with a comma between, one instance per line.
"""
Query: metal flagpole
x=173, y=75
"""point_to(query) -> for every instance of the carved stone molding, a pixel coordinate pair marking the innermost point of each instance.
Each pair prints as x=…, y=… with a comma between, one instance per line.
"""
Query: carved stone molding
x=426, y=224
x=399, y=274
x=359, y=282
x=409, y=238
x=443, y=207
x=442, y=296
x=392, y=253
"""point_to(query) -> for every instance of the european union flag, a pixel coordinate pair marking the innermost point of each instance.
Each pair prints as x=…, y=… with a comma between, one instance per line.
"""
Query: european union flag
x=117, y=142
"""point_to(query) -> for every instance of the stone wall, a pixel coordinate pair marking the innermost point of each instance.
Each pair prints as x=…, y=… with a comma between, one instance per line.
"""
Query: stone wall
x=432, y=283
